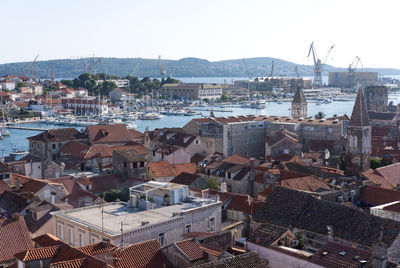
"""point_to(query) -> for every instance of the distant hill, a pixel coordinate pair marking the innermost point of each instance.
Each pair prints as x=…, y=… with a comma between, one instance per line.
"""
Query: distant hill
x=186, y=67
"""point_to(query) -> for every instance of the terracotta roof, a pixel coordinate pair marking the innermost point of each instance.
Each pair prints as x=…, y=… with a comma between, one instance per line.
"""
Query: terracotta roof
x=307, y=184
x=14, y=237
x=375, y=196
x=267, y=234
x=190, y=249
x=33, y=186
x=12, y=202
x=241, y=203
x=59, y=134
x=359, y=116
x=381, y=115
x=161, y=169
x=186, y=167
x=237, y=159
x=61, y=256
x=78, y=195
x=391, y=173
x=248, y=260
x=376, y=178
x=337, y=255
x=46, y=240
x=281, y=135
x=287, y=207
x=185, y=178
x=299, y=97
x=132, y=155
x=114, y=181
x=98, y=248
x=146, y=254
x=38, y=253
x=108, y=134
x=76, y=149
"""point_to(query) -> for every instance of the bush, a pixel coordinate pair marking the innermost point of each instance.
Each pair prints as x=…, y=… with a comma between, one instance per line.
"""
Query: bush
x=113, y=195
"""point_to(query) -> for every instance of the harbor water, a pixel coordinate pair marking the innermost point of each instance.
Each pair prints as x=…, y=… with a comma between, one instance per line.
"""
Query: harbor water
x=17, y=139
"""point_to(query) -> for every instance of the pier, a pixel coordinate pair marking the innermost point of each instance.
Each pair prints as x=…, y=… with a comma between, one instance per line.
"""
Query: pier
x=210, y=109
x=27, y=128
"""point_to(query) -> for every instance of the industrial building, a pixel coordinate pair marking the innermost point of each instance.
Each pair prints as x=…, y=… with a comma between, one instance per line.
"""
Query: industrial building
x=350, y=80
x=192, y=91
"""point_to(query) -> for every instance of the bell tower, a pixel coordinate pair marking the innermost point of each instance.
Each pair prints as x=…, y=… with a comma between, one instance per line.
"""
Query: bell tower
x=299, y=104
x=358, y=149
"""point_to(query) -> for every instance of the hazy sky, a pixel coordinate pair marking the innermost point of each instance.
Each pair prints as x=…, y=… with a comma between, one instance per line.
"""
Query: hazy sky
x=208, y=29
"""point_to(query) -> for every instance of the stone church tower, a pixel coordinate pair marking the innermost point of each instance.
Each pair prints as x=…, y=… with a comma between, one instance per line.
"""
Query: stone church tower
x=358, y=149
x=299, y=104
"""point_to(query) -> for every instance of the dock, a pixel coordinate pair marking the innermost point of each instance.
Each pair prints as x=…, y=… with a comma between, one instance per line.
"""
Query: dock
x=27, y=128
x=214, y=110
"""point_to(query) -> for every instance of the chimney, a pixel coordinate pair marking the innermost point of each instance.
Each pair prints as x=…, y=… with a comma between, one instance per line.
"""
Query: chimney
x=17, y=185
x=379, y=252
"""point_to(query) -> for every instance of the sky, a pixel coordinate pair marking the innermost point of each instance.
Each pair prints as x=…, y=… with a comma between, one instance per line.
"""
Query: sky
x=208, y=29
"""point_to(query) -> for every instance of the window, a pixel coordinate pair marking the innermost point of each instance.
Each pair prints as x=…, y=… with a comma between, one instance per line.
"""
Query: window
x=246, y=141
x=60, y=231
x=141, y=164
x=125, y=164
x=54, y=146
x=211, y=224
x=188, y=228
x=70, y=237
x=197, y=142
x=81, y=240
x=161, y=238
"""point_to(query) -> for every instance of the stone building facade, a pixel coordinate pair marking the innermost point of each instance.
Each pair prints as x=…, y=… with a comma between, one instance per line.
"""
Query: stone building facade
x=358, y=149
x=376, y=98
x=299, y=104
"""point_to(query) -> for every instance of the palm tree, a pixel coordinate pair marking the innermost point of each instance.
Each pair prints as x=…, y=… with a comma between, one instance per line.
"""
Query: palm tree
x=320, y=115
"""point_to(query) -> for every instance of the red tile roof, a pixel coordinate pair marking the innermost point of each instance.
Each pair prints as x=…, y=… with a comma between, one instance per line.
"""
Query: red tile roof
x=336, y=255
x=186, y=167
x=237, y=159
x=376, y=196
x=14, y=237
x=391, y=173
x=46, y=240
x=244, y=203
x=190, y=249
x=76, y=149
x=38, y=253
x=307, y=184
x=146, y=254
x=108, y=134
x=135, y=134
x=161, y=169
x=377, y=179
x=98, y=248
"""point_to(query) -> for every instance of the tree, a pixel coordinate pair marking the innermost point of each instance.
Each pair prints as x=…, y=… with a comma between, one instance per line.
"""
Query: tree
x=20, y=84
x=68, y=83
x=224, y=97
x=320, y=115
x=212, y=183
x=107, y=87
x=113, y=195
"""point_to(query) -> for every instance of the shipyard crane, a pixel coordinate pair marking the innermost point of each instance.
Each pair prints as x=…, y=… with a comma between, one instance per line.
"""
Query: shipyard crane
x=296, y=71
x=32, y=67
x=90, y=63
x=162, y=68
x=248, y=74
x=271, y=74
x=137, y=66
x=318, y=64
x=351, y=75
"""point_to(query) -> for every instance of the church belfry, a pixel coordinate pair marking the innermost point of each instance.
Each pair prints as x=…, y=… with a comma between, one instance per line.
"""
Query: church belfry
x=358, y=149
x=299, y=104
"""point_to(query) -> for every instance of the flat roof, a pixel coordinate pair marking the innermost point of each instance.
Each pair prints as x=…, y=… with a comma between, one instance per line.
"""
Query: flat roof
x=131, y=218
